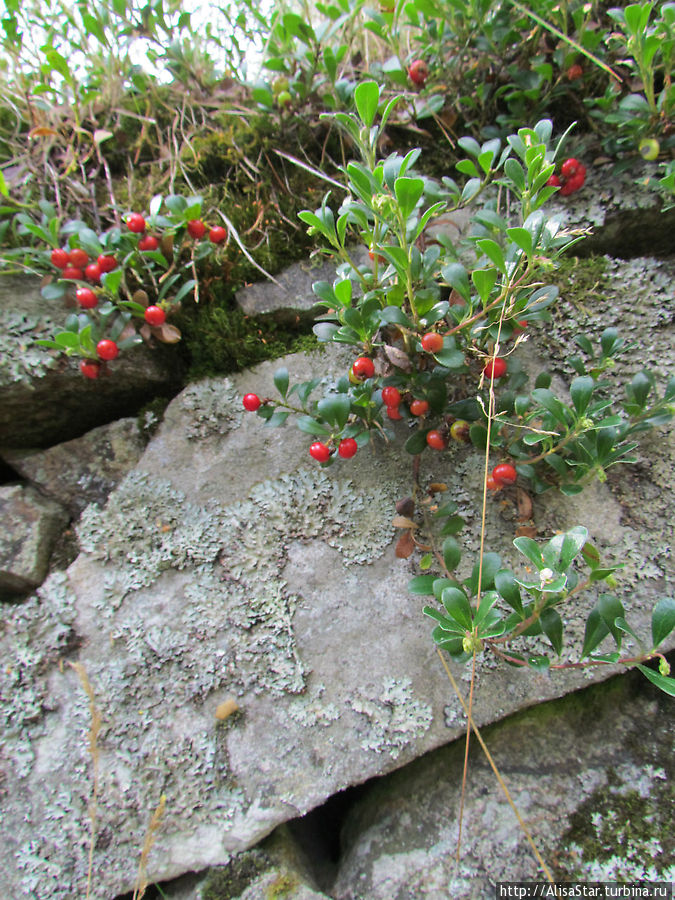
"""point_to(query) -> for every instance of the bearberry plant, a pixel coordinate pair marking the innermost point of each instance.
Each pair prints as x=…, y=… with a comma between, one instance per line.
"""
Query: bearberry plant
x=435, y=326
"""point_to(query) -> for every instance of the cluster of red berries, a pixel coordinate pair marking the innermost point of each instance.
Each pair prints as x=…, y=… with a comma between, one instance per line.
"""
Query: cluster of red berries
x=196, y=229
x=75, y=265
x=501, y=475
x=106, y=350
x=572, y=177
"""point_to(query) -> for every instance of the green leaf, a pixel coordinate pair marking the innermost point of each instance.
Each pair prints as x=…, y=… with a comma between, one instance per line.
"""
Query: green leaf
x=416, y=442
x=664, y=682
x=451, y=553
x=422, y=584
x=663, y=620
x=559, y=552
x=621, y=623
x=367, y=98
x=457, y=606
x=335, y=409
x=581, y=391
x=53, y=291
x=522, y=238
x=553, y=628
x=185, y=289
x=450, y=359
x=457, y=277
x=515, y=172
x=493, y=252
x=484, y=280
x=281, y=381
x=505, y=584
x=408, y=192
x=610, y=609
x=530, y=549
x=278, y=418
x=538, y=662
x=311, y=426
x=492, y=563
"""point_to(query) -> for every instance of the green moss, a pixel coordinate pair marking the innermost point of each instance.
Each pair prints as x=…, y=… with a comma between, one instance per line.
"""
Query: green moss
x=282, y=886
x=226, y=882
x=584, y=283
x=222, y=340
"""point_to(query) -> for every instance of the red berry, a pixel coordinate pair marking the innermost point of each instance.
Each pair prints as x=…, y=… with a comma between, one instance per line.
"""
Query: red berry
x=573, y=184
x=78, y=258
x=155, y=315
x=251, y=402
x=419, y=407
x=391, y=396
x=136, y=223
x=90, y=368
x=376, y=256
x=436, y=440
x=504, y=473
x=459, y=430
x=569, y=167
x=148, y=242
x=73, y=273
x=196, y=228
x=217, y=234
x=394, y=413
x=363, y=368
x=432, y=342
x=319, y=452
x=418, y=72
x=491, y=484
x=107, y=349
x=347, y=448
x=554, y=181
x=575, y=72
x=93, y=273
x=86, y=298
x=60, y=258
x=106, y=263
x=495, y=368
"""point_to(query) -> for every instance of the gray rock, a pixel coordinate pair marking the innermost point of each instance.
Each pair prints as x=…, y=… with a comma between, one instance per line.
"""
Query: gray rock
x=596, y=797
x=292, y=296
x=31, y=525
x=83, y=470
x=227, y=566
x=43, y=397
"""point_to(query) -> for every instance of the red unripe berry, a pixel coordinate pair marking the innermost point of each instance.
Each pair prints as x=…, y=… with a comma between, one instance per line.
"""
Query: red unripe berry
x=93, y=273
x=491, y=484
x=569, y=167
x=107, y=349
x=432, y=342
x=90, y=368
x=73, y=273
x=394, y=413
x=363, y=368
x=418, y=72
x=196, y=228
x=391, y=396
x=575, y=72
x=148, y=242
x=86, y=298
x=251, y=402
x=155, y=315
x=78, y=258
x=554, y=181
x=504, y=473
x=459, y=430
x=319, y=452
x=136, y=223
x=106, y=263
x=419, y=407
x=217, y=234
x=436, y=440
x=347, y=448
x=59, y=258
x=495, y=368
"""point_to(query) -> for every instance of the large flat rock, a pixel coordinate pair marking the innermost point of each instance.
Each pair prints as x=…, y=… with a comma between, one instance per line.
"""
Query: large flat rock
x=227, y=566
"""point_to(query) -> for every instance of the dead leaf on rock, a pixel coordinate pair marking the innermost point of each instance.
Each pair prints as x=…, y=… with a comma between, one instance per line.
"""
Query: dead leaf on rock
x=526, y=531
x=398, y=358
x=405, y=507
x=167, y=334
x=403, y=522
x=524, y=505
x=128, y=331
x=405, y=545
x=437, y=487
x=141, y=297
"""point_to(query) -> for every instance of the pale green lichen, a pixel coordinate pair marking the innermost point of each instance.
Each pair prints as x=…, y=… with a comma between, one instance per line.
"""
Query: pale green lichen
x=20, y=357
x=212, y=407
x=394, y=717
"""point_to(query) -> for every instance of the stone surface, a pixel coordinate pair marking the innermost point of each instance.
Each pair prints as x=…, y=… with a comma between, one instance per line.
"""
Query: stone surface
x=228, y=565
x=43, y=398
x=292, y=296
x=31, y=525
x=595, y=795
x=83, y=470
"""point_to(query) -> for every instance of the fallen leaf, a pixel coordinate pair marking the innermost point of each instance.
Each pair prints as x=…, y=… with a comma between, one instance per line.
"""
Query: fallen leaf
x=526, y=531
x=403, y=522
x=405, y=545
x=141, y=297
x=524, y=505
x=405, y=507
x=226, y=709
x=167, y=334
x=398, y=358
x=437, y=487
x=42, y=131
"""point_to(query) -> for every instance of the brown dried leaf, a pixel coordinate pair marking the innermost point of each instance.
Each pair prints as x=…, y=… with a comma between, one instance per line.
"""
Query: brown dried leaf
x=403, y=522
x=141, y=297
x=405, y=507
x=524, y=505
x=42, y=131
x=225, y=709
x=167, y=334
x=526, y=531
x=437, y=487
x=128, y=331
x=398, y=358
x=455, y=298
x=405, y=545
